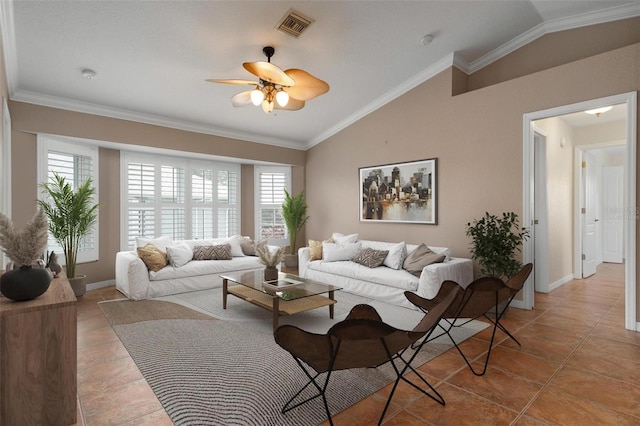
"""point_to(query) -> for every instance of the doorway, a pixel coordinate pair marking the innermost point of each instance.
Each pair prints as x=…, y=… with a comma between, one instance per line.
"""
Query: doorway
x=629, y=103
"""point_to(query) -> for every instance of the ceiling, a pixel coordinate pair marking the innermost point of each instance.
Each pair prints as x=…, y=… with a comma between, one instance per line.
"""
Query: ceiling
x=152, y=58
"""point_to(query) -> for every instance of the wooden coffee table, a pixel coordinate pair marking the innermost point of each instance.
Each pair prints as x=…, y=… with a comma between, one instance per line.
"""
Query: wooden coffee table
x=293, y=295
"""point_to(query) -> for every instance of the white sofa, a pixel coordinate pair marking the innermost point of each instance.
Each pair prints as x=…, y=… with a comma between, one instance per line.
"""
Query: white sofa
x=137, y=282
x=382, y=282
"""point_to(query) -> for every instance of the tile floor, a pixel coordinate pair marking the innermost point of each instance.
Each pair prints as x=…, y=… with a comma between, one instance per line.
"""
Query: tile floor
x=577, y=366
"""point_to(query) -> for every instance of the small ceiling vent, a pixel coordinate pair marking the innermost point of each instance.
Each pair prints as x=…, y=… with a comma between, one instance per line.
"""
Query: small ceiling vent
x=294, y=23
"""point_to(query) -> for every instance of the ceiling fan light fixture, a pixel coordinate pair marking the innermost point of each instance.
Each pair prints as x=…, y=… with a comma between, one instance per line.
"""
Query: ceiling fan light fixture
x=282, y=98
x=287, y=90
x=267, y=106
x=257, y=96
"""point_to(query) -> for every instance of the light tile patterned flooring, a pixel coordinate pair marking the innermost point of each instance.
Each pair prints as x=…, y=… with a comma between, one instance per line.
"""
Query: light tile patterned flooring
x=577, y=366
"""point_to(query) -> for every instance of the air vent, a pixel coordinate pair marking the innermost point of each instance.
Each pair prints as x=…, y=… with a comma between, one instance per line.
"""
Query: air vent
x=294, y=23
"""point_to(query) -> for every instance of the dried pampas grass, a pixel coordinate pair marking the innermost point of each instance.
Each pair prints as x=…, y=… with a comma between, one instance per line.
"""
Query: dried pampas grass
x=270, y=257
x=26, y=246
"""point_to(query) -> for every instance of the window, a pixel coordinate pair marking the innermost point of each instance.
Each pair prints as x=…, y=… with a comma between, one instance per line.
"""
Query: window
x=76, y=162
x=180, y=198
x=270, y=185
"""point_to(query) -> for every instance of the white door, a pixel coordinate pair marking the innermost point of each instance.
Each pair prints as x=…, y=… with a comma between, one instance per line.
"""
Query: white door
x=589, y=215
x=612, y=208
x=540, y=223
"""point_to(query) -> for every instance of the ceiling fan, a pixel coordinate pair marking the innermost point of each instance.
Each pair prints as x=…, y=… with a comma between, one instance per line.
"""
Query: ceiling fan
x=276, y=89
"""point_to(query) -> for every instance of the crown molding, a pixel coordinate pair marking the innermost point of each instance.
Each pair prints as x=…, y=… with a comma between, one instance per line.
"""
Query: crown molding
x=591, y=18
x=442, y=65
x=156, y=120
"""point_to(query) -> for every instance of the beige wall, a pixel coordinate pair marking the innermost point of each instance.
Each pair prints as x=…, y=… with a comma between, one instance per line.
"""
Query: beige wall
x=559, y=48
x=28, y=120
x=559, y=197
x=602, y=133
x=476, y=136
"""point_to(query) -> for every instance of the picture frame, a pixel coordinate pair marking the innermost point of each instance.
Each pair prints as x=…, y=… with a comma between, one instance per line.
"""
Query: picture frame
x=400, y=192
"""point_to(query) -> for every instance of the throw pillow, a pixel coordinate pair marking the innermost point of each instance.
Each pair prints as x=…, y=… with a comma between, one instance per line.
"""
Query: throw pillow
x=179, y=254
x=339, y=238
x=315, y=248
x=332, y=252
x=248, y=246
x=370, y=258
x=421, y=257
x=396, y=256
x=236, y=245
x=154, y=258
x=219, y=252
x=160, y=242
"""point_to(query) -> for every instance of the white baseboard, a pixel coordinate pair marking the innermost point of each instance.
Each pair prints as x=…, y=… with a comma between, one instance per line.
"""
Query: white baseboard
x=101, y=284
x=560, y=282
x=515, y=303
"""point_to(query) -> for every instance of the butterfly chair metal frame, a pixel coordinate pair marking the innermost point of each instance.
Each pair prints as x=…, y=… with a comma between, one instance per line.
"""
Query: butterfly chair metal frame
x=484, y=296
x=362, y=340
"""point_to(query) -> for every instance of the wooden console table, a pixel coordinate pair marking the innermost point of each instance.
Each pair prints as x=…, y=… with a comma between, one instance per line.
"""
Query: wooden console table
x=38, y=358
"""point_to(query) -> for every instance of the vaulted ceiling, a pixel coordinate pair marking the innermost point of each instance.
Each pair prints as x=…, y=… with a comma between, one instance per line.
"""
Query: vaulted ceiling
x=151, y=59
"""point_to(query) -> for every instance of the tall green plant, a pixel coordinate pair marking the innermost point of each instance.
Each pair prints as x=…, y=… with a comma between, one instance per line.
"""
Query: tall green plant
x=294, y=212
x=71, y=215
x=495, y=241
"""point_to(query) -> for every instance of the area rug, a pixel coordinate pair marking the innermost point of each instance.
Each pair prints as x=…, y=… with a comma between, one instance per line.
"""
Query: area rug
x=230, y=371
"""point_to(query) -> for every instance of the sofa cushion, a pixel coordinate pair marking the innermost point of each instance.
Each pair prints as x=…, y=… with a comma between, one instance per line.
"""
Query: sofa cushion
x=395, y=258
x=217, y=252
x=315, y=248
x=421, y=257
x=398, y=278
x=248, y=246
x=339, y=238
x=160, y=242
x=370, y=258
x=332, y=252
x=206, y=267
x=236, y=245
x=179, y=254
x=154, y=258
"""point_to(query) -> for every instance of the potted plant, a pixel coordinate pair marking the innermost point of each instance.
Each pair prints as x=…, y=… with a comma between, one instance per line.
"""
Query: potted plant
x=26, y=277
x=495, y=241
x=72, y=213
x=270, y=259
x=294, y=212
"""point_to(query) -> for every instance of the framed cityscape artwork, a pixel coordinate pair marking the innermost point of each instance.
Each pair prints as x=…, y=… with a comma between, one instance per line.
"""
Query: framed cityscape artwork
x=400, y=193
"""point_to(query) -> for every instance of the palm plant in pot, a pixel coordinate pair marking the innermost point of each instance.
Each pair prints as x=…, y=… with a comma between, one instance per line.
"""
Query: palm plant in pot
x=294, y=213
x=26, y=277
x=72, y=214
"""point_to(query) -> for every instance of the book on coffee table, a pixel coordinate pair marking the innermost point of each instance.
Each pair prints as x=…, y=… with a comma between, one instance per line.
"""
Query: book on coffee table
x=281, y=284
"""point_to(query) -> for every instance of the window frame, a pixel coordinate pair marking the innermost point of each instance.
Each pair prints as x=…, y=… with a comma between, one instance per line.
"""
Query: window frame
x=75, y=147
x=258, y=170
x=188, y=206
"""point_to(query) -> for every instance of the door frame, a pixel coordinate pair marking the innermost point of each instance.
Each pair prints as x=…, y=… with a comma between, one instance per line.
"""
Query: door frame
x=630, y=99
x=541, y=213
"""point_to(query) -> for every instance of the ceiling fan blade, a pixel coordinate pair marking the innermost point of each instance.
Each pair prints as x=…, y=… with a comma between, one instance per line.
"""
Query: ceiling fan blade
x=307, y=86
x=233, y=81
x=241, y=99
x=269, y=72
x=292, y=105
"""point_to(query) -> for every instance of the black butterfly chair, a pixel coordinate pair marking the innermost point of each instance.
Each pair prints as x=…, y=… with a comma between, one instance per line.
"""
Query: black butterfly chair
x=361, y=340
x=488, y=296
